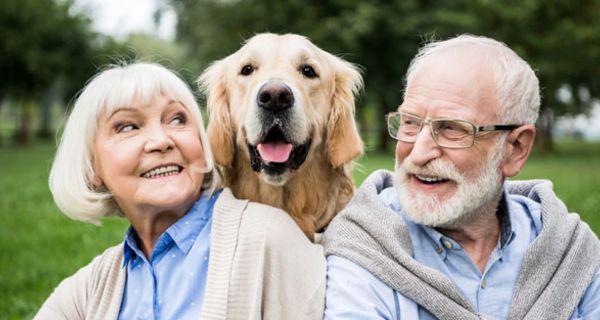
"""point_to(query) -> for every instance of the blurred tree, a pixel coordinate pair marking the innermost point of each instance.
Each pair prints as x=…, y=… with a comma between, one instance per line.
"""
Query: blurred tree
x=40, y=40
x=560, y=39
x=148, y=47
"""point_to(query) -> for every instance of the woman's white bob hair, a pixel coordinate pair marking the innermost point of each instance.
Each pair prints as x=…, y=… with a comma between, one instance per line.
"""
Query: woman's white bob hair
x=72, y=175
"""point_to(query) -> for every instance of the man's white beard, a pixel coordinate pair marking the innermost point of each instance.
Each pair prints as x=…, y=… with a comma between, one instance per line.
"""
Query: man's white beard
x=458, y=210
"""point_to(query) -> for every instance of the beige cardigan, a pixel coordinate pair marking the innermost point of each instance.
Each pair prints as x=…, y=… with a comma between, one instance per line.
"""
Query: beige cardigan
x=261, y=267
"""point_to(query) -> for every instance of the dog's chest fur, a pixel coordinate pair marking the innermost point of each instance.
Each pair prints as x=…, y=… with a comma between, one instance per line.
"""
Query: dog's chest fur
x=312, y=196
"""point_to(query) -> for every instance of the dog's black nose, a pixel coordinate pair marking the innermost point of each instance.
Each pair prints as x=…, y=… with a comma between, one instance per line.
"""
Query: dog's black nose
x=275, y=96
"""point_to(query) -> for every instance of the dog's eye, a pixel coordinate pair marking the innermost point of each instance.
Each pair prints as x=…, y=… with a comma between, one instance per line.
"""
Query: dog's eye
x=308, y=71
x=247, y=70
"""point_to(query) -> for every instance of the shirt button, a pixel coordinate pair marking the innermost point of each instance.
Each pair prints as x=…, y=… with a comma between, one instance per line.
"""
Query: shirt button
x=438, y=249
x=447, y=244
x=483, y=284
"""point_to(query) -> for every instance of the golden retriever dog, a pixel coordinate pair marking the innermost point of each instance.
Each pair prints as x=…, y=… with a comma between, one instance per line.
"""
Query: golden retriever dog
x=281, y=126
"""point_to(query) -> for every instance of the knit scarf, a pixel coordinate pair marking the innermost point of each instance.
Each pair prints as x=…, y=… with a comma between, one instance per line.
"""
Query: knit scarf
x=557, y=268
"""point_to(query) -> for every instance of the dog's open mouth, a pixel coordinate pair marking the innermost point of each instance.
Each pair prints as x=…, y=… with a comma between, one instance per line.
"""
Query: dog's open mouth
x=275, y=154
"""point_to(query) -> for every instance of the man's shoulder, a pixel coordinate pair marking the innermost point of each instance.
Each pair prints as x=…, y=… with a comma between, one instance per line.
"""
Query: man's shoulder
x=380, y=178
x=350, y=271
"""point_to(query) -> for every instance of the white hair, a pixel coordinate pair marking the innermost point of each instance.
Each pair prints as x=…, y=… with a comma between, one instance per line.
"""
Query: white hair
x=473, y=193
x=516, y=83
x=72, y=175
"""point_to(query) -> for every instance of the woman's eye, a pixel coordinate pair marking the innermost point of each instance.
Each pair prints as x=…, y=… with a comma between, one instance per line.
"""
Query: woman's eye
x=125, y=127
x=178, y=120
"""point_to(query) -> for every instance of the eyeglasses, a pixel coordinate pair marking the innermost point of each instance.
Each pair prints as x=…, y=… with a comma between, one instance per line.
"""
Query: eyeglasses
x=447, y=133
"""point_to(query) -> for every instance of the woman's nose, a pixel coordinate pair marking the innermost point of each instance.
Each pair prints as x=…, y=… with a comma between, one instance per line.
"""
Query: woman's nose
x=158, y=139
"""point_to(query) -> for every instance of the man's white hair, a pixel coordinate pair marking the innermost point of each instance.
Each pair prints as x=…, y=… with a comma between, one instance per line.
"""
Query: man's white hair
x=72, y=175
x=516, y=83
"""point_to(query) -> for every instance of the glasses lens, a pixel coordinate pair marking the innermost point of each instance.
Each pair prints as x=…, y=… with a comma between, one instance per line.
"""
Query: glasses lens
x=453, y=133
x=393, y=122
x=404, y=127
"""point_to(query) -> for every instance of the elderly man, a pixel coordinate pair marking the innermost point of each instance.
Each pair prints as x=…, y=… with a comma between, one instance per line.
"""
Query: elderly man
x=445, y=237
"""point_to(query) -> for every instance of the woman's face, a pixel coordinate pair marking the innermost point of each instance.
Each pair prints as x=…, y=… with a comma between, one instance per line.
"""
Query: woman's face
x=150, y=157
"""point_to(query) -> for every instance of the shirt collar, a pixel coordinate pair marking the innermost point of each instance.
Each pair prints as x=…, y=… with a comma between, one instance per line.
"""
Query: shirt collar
x=441, y=242
x=186, y=229
x=182, y=233
x=507, y=230
x=131, y=251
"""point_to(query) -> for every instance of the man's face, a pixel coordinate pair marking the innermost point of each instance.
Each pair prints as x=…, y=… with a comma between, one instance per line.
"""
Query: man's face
x=443, y=187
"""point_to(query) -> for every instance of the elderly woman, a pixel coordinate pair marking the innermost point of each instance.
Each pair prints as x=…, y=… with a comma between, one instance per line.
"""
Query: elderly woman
x=134, y=145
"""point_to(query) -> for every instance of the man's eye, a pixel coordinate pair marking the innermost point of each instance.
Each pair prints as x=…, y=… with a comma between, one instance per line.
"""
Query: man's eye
x=453, y=127
x=410, y=123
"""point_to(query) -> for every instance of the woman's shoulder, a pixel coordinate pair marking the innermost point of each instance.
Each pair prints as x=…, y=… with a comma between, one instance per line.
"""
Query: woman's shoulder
x=94, y=283
x=111, y=257
x=250, y=209
x=266, y=221
x=104, y=267
x=280, y=231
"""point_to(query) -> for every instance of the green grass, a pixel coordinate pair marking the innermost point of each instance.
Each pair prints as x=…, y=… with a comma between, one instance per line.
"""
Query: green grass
x=39, y=246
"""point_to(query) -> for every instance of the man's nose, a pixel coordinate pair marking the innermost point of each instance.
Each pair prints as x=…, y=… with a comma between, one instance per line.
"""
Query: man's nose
x=425, y=148
x=158, y=139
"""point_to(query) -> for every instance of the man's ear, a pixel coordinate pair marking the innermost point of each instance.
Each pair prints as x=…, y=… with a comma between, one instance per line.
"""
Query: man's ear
x=220, y=130
x=517, y=149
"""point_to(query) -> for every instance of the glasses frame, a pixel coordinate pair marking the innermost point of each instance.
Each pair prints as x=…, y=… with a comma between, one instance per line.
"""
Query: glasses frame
x=476, y=129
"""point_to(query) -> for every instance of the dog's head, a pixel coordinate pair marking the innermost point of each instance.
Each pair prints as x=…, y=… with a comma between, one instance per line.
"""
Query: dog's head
x=276, y=99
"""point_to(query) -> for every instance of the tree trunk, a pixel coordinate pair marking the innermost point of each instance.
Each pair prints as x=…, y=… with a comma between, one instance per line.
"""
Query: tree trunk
x=1, y=133
x=383, y=138
x=544, y=142
x=45, y=104
x=23, y=132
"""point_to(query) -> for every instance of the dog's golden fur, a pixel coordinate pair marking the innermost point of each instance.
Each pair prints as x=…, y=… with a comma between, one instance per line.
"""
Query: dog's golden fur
x=323, y=184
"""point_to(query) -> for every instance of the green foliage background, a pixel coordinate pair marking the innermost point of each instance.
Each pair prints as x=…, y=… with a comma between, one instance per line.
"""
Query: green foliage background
x=560, y=39
x=48, y=50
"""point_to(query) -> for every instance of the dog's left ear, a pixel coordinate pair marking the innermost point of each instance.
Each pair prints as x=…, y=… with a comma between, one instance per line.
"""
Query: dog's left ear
x=343, y=141
x=220, y=130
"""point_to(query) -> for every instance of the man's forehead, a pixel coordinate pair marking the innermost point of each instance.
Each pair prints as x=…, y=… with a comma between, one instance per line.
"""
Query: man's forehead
x=451, y=78
x=456, y=63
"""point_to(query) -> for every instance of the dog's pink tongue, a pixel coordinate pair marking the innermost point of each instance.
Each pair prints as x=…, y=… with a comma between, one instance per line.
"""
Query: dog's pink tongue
x=277, y=152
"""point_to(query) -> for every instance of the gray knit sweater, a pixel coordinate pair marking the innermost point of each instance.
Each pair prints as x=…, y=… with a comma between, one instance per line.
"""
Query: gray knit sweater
x=557, y=268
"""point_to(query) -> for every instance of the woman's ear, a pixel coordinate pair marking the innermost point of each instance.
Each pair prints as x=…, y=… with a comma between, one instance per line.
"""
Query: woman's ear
x=343, y=140
x=94, y=177
x=220, y=130
x=517, y=149
x=97, y=182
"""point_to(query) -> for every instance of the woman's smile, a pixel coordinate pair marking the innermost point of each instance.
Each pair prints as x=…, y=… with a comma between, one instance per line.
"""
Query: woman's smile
x=146, y=155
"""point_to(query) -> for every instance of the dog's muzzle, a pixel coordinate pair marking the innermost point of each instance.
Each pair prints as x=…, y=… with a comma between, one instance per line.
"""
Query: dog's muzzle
x=297, y=157
x=275, y=96
x=277, y=151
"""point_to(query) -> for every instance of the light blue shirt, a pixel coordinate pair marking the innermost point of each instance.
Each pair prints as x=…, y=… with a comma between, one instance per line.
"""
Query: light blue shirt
x=354, y=293
x=170, y=285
